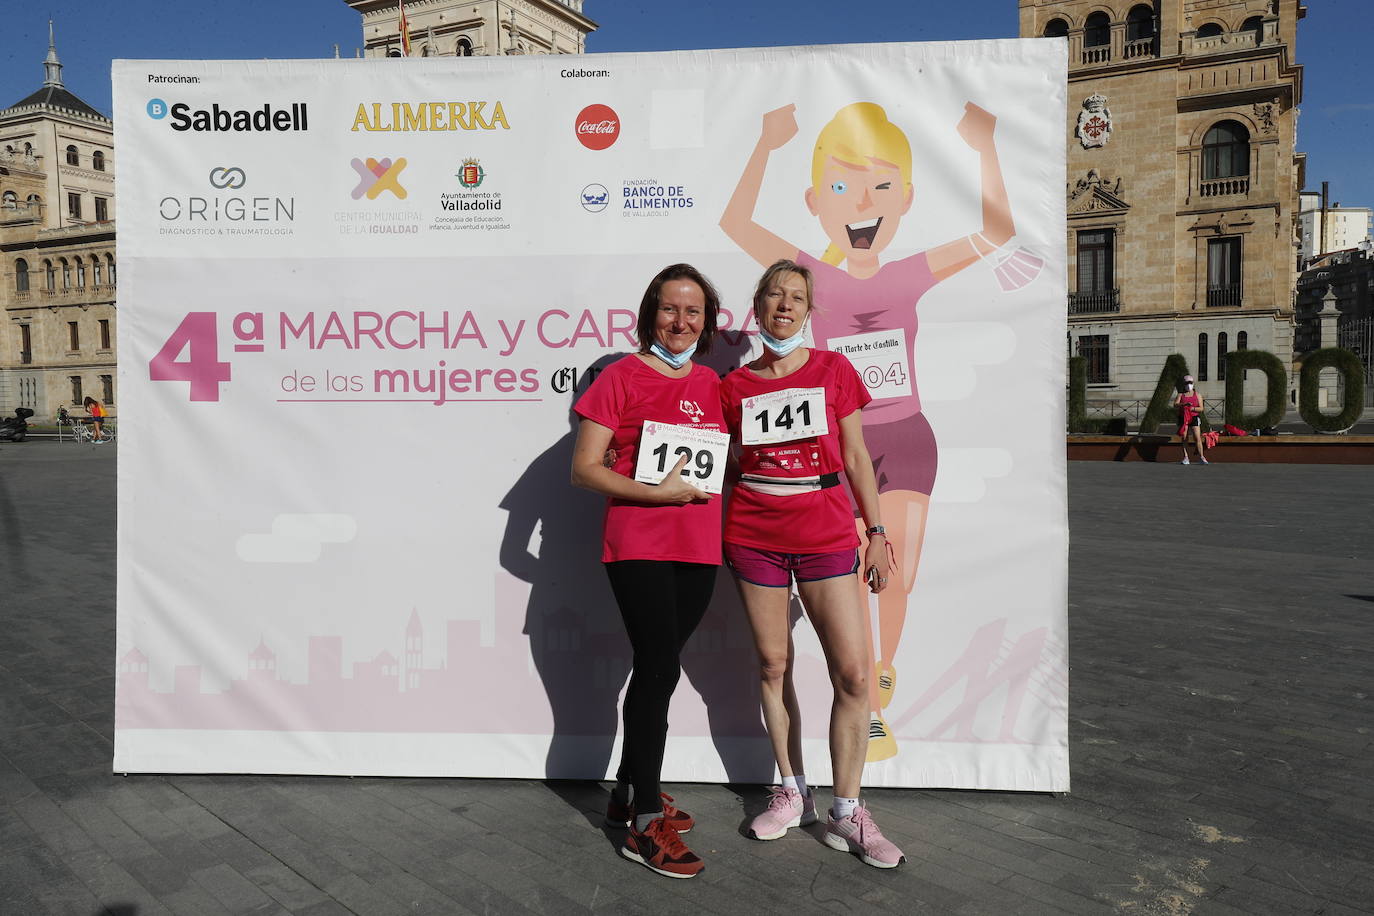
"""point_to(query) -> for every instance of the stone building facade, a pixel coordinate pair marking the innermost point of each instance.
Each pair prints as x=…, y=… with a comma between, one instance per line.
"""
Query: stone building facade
x=1183, y=180
x=57, y=251
x=453, y=28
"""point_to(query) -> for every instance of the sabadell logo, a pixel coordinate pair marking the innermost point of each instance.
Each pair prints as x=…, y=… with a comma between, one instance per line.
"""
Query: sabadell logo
x=216, y=118
x=597, y=126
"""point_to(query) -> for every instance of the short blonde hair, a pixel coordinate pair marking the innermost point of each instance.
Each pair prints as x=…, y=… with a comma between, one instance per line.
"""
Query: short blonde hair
x=858, y=133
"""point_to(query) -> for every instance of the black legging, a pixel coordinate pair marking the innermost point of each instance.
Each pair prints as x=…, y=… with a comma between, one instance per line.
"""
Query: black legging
x=661, y=602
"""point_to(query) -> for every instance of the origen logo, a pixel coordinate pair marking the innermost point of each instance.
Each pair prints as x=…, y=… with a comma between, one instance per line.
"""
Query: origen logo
x=231, y=179
x=597, y=126
x=376, y=176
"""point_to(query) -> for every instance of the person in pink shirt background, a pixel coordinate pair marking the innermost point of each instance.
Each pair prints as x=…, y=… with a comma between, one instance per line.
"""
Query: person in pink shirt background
x=860, y=190
x=1189, y=407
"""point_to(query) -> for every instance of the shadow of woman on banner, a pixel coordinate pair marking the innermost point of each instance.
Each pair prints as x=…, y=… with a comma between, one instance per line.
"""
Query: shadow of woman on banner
x=577, y=641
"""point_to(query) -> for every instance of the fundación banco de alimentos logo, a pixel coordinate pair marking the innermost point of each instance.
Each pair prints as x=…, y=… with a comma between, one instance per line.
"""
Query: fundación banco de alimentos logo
x=595, y=198
x=378, y=175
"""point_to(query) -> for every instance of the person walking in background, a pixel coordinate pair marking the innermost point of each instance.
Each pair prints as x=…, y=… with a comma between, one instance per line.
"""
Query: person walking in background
x=1189, y=407
x=97, y=412
x=661, y=543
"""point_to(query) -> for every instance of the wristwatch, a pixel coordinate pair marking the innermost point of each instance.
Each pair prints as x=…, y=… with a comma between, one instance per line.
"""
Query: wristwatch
x=876, y=529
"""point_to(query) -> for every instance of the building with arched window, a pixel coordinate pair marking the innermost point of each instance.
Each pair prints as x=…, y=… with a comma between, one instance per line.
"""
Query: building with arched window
x=464, y=28
x=1183, y=183
x=57, y=292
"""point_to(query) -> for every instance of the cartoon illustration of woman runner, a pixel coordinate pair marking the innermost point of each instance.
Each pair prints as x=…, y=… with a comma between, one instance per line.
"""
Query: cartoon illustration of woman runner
x=860, y=190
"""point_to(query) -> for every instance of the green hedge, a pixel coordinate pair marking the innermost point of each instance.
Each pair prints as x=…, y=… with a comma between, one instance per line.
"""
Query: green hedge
x=1237, y=361
x=1078, y=404
x=1309, y=383
x=1166, y=391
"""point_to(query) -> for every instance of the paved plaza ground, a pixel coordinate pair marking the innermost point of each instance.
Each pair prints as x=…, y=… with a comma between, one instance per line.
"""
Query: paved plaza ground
x=1220, y=728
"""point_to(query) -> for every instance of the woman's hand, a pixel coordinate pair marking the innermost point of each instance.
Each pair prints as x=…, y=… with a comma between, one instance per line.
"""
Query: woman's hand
x=976, y=128
x=779, y=126
x=675, y=491
x=875, y=557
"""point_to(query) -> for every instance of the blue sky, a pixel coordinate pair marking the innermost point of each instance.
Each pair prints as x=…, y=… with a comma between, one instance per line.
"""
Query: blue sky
x=1336, y=127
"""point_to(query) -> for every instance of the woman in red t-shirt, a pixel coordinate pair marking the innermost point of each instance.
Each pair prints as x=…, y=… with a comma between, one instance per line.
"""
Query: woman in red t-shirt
x=797, y=413
x=662, y=541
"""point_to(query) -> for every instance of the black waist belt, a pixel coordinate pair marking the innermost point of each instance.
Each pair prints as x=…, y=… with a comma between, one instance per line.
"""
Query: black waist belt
x=789, y=486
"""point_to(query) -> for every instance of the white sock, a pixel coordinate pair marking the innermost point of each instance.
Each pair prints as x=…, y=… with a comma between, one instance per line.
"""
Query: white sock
x=797, y=782
x=843, y=807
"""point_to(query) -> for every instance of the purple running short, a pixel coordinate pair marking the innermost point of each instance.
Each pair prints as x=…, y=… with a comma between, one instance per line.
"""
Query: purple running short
x=774, y=569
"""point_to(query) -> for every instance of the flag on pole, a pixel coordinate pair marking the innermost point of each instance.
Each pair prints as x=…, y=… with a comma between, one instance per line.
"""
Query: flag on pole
x=405, y=29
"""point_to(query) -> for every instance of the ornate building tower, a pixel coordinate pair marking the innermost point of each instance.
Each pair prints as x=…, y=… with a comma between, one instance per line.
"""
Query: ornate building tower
x=453, y=28
x=57, y=267
x=1183, y=182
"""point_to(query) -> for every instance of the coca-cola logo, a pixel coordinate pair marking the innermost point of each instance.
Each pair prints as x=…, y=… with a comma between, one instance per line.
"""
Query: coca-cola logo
x=597, y=126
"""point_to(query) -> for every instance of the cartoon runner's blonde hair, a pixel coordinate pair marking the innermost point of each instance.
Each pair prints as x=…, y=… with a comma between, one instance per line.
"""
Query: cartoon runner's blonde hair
x=859, y=132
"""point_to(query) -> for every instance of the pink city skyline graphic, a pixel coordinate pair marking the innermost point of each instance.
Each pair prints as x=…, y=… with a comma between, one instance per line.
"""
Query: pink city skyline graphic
x=560, y=672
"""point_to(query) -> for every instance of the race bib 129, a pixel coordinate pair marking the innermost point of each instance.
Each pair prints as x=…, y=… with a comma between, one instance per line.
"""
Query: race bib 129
x=783, y=416
x=662, y=445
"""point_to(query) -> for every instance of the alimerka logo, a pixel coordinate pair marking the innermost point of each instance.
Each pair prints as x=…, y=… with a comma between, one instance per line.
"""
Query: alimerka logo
x=597, y=127
x=376, y=176
x=429, y=116
x=216, y=118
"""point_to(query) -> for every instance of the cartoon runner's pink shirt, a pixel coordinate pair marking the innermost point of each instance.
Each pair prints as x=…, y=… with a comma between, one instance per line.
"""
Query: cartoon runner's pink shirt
x=846, y=306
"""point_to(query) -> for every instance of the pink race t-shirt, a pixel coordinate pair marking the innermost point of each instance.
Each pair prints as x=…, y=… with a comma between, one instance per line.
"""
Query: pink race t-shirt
x=819, y=521
x=846, y=306
x=626, y=394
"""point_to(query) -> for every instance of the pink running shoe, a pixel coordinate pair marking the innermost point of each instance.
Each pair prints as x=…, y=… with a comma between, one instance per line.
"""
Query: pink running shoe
x=787, y=808
x=858, y=834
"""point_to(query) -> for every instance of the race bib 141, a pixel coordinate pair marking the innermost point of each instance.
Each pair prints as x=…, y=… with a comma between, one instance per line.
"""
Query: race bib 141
x=783, y=416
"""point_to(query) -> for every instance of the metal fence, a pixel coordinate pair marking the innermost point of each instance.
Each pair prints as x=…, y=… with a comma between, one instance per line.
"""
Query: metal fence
x=1358, y=337
x=1134, y=410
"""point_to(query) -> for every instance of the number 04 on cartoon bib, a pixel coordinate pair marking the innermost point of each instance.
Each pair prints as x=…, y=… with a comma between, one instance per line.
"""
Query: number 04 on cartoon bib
x=662, y=445
x=783, y=416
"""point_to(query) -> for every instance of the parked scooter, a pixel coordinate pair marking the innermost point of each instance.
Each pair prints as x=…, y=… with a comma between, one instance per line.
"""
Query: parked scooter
x=15, y=428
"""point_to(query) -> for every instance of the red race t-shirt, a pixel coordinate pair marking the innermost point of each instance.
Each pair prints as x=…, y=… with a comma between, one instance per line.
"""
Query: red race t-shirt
x=624, y=395
x=820, y=521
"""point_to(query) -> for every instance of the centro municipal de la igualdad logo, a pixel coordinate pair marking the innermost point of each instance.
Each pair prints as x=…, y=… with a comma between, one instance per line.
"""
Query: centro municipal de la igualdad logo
x=378, y=175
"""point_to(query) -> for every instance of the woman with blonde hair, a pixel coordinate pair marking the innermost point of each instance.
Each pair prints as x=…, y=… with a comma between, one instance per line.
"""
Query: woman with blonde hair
x=797, y=414
x=860, y=189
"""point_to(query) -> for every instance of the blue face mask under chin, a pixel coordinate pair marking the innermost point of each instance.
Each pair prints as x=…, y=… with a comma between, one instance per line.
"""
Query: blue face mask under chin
x=676, y=360
x=782, y=347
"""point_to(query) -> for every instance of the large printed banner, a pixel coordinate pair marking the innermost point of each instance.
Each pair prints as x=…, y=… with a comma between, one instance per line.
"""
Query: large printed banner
x=357, y=302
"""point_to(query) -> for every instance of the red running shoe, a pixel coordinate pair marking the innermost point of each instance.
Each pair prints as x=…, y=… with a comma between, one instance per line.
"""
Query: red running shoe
x=661, y=850
x=618, y=815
